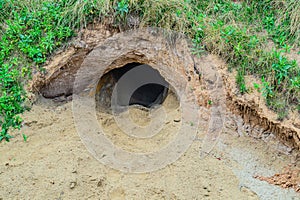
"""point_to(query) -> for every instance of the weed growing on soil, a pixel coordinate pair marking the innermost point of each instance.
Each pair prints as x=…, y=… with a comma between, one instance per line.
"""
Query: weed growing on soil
x=13, y=95
x=256, y=86
x=209, y=102
x=24, y=137
x=30, y=36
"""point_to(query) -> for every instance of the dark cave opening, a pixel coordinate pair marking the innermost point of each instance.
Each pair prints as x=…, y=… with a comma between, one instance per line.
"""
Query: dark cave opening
x=132, y=84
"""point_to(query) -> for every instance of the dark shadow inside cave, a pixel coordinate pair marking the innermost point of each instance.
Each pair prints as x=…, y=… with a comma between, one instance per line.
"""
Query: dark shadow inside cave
x=132, y=84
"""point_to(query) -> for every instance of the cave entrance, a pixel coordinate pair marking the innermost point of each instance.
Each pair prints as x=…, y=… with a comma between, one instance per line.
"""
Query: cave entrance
x=132, y=84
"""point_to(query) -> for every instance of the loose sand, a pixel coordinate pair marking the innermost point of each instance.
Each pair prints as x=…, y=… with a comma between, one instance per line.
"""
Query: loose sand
x=55, y=164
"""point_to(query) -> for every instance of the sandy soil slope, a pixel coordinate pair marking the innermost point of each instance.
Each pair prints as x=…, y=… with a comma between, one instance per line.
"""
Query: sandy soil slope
x=54, y=163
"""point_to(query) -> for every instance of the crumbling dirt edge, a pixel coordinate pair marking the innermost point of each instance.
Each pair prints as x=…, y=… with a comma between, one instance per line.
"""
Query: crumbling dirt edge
x=251, y=107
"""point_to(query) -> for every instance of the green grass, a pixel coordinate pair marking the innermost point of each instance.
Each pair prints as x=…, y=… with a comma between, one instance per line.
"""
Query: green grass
x=239, y=33
x=31, y=34
x=32, y=30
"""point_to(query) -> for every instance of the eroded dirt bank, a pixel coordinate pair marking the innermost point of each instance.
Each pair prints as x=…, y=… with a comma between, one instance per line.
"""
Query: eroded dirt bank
x=54, y=163
x=61, y=70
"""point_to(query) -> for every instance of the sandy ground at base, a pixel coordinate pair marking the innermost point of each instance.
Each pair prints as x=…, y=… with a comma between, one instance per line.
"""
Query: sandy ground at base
x=55, y=164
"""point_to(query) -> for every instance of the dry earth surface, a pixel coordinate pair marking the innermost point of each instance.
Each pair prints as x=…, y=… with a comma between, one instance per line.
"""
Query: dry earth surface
x=54, y=163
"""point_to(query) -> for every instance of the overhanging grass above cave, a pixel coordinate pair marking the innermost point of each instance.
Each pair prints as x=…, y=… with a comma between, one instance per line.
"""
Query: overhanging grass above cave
x=238, y=31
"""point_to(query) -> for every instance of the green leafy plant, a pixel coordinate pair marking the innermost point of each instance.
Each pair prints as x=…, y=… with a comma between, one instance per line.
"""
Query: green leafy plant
x=281, y=69
x=122, y=8
x=267, y=89
x=36, y=35
x=256, y=86
x=210, y=102
x=24, y=137
x=121, y=11
x=240, y=80
x=11, y=100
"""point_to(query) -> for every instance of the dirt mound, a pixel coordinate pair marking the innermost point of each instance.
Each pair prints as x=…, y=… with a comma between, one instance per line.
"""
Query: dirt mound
x=289, y=178
x=208, y=79
x=61, y=70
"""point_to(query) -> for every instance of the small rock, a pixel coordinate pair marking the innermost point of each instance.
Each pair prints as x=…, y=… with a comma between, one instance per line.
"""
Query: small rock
x=177, y=120
x=248, y=191
x=296, y=124
x=79, y=44
x=60, y=99
x=29, y=124
x=101, y=182
x=73, y=184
